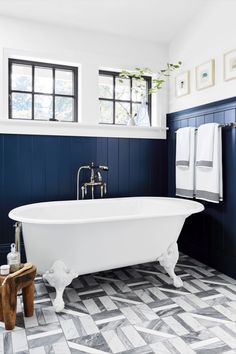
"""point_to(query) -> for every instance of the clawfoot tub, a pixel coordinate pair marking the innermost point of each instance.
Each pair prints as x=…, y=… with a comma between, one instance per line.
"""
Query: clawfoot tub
x=70, y=238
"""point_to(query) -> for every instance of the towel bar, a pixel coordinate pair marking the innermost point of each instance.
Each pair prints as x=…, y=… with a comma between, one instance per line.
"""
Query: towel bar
x=227, y=125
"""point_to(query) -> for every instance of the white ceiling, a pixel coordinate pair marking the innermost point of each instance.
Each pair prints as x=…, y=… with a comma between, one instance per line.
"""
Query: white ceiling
x=154, y=20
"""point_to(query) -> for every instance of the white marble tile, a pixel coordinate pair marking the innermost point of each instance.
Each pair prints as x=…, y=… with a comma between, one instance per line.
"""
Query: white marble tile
x=91, y=306
x=200, y=284
x=130, y=315
x=191, y=322
x=175, y=325
x=159, y=348
x=147, y=312
x=128, y=301
x=31, y=321
x=108, y=303
x=203, y=343
x=190, y=288
x=143, y=295
x=69, y=329
x=61, y=348
x=183, y=303
x=109, y=290
x=110, y=319
x=158, y=293
x=165, y=307
x=133, y=336
x=89, y=325
x=114, y=341
x=196, y=301
x=44, y=334
x=84, y=349
x=174, y=291
x=1, y=343
x=181, y=346
x=38, y=350
x=209, y=318
x=153, y=332
x=226, y=311
x=19, y=341
x=49, y=314
x=224, y=336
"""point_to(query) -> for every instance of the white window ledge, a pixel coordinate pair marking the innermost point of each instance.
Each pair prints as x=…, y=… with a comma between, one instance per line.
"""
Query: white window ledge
x=79, y=129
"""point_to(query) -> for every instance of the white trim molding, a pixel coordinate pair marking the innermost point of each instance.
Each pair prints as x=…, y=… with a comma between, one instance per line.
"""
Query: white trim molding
x=8, y=126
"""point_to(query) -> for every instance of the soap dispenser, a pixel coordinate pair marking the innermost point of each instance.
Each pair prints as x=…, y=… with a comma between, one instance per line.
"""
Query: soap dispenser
x=13, y=259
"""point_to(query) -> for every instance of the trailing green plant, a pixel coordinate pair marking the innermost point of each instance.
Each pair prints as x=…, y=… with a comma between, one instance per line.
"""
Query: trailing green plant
x=158, y=79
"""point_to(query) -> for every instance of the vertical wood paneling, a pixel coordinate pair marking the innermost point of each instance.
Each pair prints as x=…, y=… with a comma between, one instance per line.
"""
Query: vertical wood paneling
x=123, y=167
x=210, y=236
x=113, y=163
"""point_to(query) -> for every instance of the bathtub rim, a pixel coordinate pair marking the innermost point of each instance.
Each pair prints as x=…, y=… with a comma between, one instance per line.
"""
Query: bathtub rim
x=196, y=208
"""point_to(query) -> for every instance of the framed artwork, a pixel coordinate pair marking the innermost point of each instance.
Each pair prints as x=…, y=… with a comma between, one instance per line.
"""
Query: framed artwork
x=230, y=65
x=182, y=86
x=205, y=75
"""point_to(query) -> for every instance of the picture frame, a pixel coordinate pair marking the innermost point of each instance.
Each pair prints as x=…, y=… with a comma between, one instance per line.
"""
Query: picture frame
x=230, y=65
x=205, y=75
x=182, y=84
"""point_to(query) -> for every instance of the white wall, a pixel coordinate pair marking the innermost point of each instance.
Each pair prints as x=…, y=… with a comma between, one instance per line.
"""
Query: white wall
x=209, y=35
x=89, y=50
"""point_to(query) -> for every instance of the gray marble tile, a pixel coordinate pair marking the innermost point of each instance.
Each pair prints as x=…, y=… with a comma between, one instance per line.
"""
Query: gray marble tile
x=7, y=343
x=96, y=341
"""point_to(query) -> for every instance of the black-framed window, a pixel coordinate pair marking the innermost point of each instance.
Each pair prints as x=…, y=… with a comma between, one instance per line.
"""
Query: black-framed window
x=42, y=91
x=120, y=100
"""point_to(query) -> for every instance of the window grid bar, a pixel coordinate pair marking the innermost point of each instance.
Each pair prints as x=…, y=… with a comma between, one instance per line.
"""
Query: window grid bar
x=53, y=95
x=121, y=101
x=114, y=99
x=42, y=93
x=32, y=93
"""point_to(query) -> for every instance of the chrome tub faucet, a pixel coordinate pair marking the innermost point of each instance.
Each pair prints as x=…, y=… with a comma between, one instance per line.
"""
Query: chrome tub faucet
x=95, y=181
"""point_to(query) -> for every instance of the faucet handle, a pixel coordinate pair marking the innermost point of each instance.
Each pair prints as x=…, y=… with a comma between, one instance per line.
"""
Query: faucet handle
x=104, y=168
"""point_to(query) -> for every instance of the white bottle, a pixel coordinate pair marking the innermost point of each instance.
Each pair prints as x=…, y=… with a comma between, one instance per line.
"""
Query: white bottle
x=13, y=259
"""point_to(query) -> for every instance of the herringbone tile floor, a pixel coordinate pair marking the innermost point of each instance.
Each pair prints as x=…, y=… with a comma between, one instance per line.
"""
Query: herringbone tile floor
x=132, y=310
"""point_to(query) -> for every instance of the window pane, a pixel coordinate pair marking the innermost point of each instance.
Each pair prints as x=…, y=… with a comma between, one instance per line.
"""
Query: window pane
x=122, y=89
x=135, y=108
x=21, y=78
x=43, y=81
x=21, y=105
x=105, y=86
x=122, y=112
x=42, y=107
x=64, y=82
x=106, y=112
x=139, y=90
x=64, y=108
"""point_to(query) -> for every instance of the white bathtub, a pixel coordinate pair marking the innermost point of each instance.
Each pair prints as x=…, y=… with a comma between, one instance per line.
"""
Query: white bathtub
x=95, y=235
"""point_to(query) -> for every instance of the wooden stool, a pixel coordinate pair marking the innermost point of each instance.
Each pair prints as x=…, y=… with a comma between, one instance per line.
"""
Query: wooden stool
x=8, y=296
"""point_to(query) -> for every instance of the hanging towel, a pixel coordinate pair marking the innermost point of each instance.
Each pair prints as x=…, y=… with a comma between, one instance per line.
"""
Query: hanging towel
x=185, y=154
x=205, y=148
x=183, y=147
x=209, y=181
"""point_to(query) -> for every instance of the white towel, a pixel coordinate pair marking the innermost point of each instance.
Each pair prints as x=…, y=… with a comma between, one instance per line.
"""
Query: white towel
x=185, y=171
x=204, y=154
x=209, y=181
x=183, y=147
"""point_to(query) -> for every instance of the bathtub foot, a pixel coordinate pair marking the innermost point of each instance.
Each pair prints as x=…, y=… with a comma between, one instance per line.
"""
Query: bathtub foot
x=59, y=276
x=168, y=261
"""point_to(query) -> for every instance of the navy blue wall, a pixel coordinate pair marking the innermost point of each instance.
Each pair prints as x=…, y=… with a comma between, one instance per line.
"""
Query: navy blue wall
x=210, y=236
x=43, y=168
